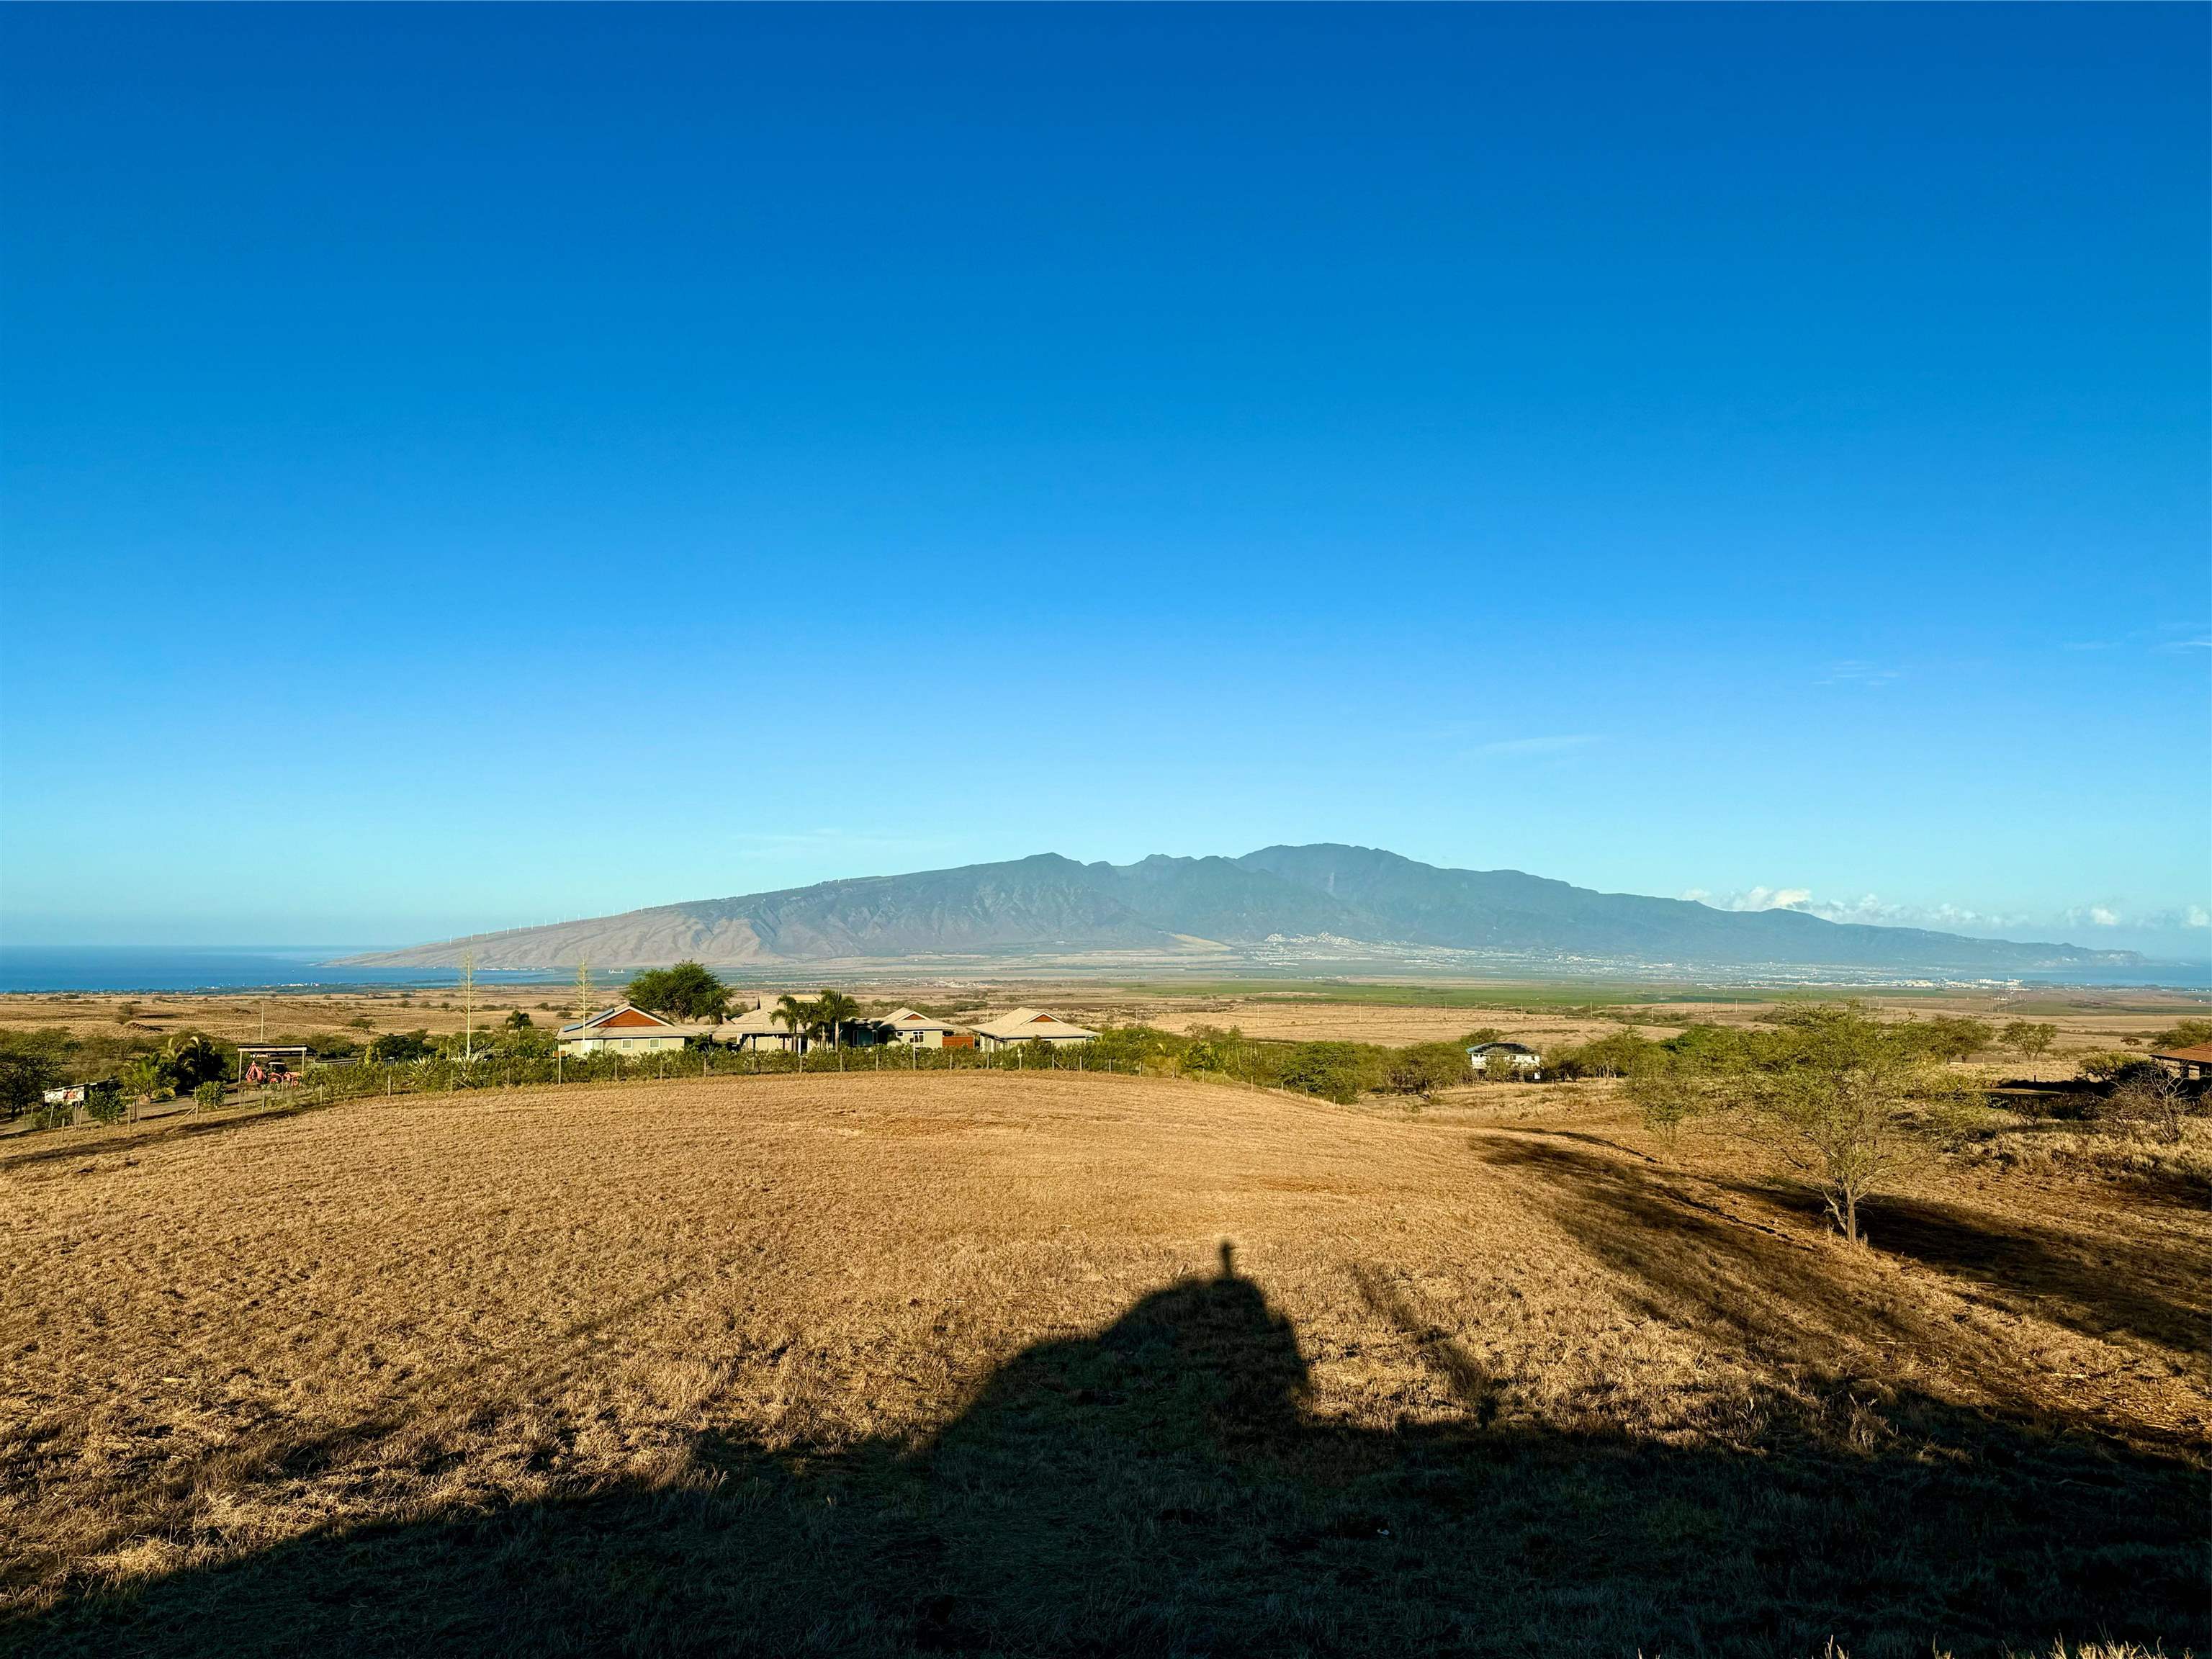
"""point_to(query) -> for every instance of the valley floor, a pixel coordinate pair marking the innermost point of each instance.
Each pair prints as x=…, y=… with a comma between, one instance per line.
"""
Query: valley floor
x=882, y=1364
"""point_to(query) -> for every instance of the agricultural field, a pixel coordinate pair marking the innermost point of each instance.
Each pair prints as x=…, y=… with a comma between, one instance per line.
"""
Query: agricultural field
x=1052, y=1363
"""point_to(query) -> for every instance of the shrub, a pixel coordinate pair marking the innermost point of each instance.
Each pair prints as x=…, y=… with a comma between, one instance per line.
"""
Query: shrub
x=209, y=1094
x=2146, y=1098
x=2106, y=1064
x=400, y=1048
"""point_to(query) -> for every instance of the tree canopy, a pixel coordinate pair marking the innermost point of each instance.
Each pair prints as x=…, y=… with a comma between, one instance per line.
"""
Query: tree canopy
x=687, y=991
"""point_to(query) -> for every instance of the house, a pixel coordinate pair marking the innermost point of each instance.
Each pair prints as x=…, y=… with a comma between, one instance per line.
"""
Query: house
x=918, y=1030
x=1028, y=1025
x=623, y=1029
x=1505, y=1059
x=2196, y=1060
x=757, y=1029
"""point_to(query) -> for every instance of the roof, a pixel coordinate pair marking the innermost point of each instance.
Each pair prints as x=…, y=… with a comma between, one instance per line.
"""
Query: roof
x=623, y=1017
x=754, y=1021
x=2196, y=1053
x=906, y=1019
x=1025, y=1024
x=1501, y=1047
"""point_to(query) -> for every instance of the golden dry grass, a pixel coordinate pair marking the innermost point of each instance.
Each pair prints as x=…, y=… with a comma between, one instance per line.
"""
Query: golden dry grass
x=887, y=1363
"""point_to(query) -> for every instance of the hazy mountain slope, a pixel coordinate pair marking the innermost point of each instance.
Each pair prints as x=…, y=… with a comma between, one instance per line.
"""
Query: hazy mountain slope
x=1399, y=898
x=1048, y=904
x=1220, y=898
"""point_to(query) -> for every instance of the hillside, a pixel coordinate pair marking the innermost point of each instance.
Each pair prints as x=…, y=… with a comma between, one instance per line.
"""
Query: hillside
x=1166, y=907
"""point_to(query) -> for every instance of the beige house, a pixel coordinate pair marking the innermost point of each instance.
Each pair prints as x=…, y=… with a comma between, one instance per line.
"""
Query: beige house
x=1028, y=1025
x=757, y=1029
x=918, y=1030
x=622, y=1029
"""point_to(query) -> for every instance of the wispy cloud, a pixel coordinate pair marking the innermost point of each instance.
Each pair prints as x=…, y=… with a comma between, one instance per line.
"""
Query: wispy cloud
x=1556, y=744
x=1853, y=671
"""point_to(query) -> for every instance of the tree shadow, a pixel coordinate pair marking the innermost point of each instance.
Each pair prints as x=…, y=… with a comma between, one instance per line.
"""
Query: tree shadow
x=2087, y=1281
x=1165, y=1487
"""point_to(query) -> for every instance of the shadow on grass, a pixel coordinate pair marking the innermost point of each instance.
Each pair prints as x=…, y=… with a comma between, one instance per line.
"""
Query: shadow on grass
x=1163, y=1487
x=2094, y=1284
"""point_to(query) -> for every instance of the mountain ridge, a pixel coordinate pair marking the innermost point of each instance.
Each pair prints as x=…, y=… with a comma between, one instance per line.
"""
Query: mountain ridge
x=1177, y=908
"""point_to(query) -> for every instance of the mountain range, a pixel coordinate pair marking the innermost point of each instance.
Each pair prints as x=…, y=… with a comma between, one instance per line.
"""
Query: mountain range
x=1280, y=905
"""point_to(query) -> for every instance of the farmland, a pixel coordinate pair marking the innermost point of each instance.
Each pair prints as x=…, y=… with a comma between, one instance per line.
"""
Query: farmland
x=881, y=1364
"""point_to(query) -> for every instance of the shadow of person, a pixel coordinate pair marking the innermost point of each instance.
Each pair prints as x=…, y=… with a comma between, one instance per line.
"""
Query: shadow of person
x=1124, y=1470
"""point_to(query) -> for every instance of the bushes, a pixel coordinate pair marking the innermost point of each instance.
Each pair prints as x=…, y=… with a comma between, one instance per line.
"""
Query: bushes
x=1426, y=1067
x=2106, y=1064
x=1340, y=1072
x=400, y=1048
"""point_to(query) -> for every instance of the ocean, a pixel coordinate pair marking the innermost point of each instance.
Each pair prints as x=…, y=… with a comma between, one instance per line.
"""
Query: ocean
x=187, y=968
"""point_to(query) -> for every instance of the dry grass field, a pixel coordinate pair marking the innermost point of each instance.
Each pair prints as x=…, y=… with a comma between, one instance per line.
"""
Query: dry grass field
x=1061, y=1364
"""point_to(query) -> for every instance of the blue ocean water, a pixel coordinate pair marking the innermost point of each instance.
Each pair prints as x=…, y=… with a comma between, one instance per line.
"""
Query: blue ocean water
x=187, y=968
x=184, y=968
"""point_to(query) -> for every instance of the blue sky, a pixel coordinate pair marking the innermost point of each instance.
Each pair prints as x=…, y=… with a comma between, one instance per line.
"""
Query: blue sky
x=469, y=467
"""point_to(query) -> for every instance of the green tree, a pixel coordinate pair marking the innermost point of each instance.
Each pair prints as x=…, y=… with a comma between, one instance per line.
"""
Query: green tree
x=2029, y=1039
x=1946, y=1037
x=190, y=1059
x=1845, y=1102
x=687, y=991
x=30, y=1064
x=519, y=1021
x=2186, y=1034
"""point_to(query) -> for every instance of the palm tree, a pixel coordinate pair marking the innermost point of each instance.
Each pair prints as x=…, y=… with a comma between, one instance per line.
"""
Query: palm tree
x=835, y=1010
x=796, y=1017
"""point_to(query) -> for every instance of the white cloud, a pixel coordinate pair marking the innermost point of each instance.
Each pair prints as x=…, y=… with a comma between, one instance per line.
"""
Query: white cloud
x=2092, y=915
x=1771, y=898
x=2143, y=930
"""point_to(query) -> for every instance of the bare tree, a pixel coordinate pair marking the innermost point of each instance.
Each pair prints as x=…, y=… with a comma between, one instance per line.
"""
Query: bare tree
x=2147, y=1097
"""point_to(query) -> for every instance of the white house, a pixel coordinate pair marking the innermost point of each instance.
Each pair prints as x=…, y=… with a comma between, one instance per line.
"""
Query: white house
x=623, y=1029
x=1028, y=1025
x=1505, y=1059
x=918, y=1030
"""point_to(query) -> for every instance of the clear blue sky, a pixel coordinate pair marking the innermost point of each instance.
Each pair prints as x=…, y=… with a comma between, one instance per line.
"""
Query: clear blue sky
x=467, y=467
